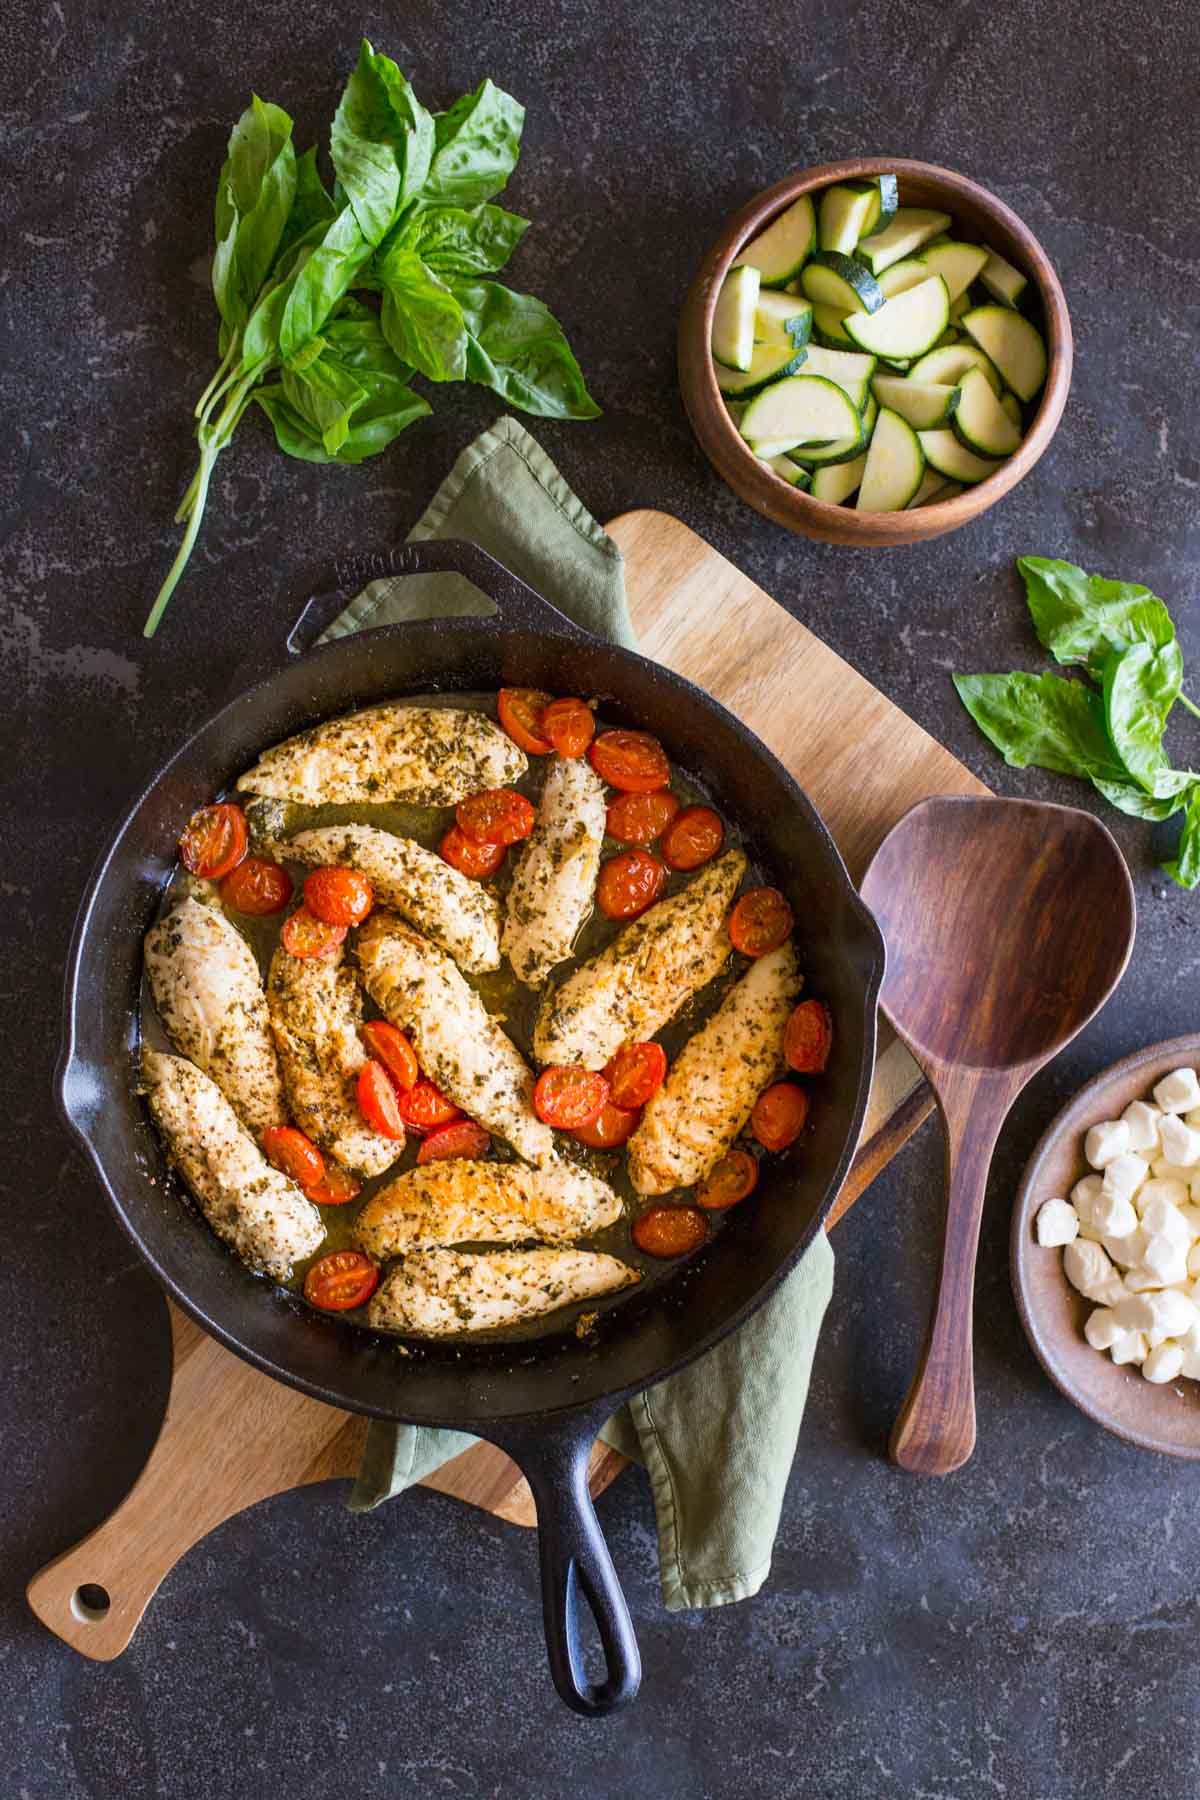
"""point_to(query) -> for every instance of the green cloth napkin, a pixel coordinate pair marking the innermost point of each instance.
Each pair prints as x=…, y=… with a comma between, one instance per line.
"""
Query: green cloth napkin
x=717, y=1440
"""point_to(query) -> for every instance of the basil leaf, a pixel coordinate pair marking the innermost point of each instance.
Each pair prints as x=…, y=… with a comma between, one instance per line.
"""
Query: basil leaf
x=382, y=140
x=327, y=275
x=255, y=191
x=1140, y=805
x=1185, y=866
x=1081, y=618
x=517, y=348
x=1043, y=720
x=311, y=206
x=359, y=343
x=457, y=240
x=421, y=318
x=478, y=143
x=379, y=419
x=1141, y=684
x=325, y=394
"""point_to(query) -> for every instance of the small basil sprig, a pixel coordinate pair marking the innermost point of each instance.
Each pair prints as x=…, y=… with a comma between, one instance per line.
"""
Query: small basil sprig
x=1106, y=727
x=408, y=224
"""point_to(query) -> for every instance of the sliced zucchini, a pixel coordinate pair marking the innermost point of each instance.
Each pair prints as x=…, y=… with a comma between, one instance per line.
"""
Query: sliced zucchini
x=833, y=280
x=959, y=307
x=948, y=363
x=1012, y=407
x=870, y=413
x=923, y=404
x=829, y=328
x=835, y=482
x=906, y=326
x=902, y=276
x=804, y=409
x=850, y=369
x=895, y=465
x=733, y=320
x=908, y=229
x=980, y=420
x=957, y=264
x=944, y=453
x=934, y=487
x=949, y=336
x=848, y=210
x=788, y=471
x=772, y=360
x=898, y=365
x=841, y=450
x=781, y=313
x=889, y=200
x=1002, y=281
x=780, y=251
x=1014, y=345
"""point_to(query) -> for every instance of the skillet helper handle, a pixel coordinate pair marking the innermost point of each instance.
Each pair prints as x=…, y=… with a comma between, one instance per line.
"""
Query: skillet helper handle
x=576, y=1567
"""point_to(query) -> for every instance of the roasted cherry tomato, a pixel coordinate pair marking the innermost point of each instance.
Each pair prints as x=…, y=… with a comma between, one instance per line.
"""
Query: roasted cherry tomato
x=670, y=1230
x=761, y=921
x=521, y=712
x=257, y=887
x=497, y=816
x=633, y=761
x=779, y=1115
x=808, y=1038
x=344, y=1279
x=338, y=896
x=425, y=1107
x=389, y=1046
x=629, y=883
x=735, y=1176
x=379, y=1101
x=569, y=725
x=640, y=818
x=569, y=1098
x=693, y=837
x=635, y=1073
x=469, y=858
x=614, y=1127
x=335, y=1187
x=297, y=1155
x=304, y=934
x=463, y=1137
x=214, y=841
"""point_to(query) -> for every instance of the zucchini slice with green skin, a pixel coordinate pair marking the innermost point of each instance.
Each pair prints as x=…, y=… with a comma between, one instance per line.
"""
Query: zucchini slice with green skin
x=906, y=326
x=789, y=471
x=908, y=229
x=849, y=368
x=772, y=360
x=944, y=453
x=903, y=275
x=889, y=200
x=931, y=485
x=980, y=420
x=1002, y=281
x=957, y=264
x=895, y=465
x=833, y=280
x=804, y=409
x=848, y=211
x=829, y=328
x=921, y=404
x=1014, y=345
x=948, y=363
x=733, y=320
x=835, y=482
x=841, y=450
x=780, y=313
x=1012, y=407
x=779, y=251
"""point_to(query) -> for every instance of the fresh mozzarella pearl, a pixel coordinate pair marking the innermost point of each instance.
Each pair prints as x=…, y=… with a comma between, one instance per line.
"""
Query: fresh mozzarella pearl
x=1180, y=1144
x=1168, y=1314
x=1164, y=1259
x=1113, y=1216
x=1127, y=1251
x=1177, y=1092
x=1124, y=1175
x=1057, y=1223
x=1162, y=1188
x=1130, y=1347
x=1164, y=1362
x=1105, y=1142
x=1143, y=1121
x=1193, y=1261
x=1162, y=1218
x=1088, y=1269
x=1101, y=1329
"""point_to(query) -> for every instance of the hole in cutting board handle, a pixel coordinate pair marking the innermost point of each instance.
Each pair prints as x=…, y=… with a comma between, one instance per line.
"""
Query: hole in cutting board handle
x=90, y=1603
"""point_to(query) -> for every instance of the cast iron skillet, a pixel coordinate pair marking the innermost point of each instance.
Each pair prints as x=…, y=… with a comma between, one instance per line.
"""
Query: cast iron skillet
x=542, y=1402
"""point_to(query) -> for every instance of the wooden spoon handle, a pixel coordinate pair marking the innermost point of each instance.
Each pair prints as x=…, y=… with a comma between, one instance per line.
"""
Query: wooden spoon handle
x=935, y=1431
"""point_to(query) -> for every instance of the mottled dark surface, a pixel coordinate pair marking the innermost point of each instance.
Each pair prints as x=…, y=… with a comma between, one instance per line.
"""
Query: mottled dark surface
x=1026, y=1629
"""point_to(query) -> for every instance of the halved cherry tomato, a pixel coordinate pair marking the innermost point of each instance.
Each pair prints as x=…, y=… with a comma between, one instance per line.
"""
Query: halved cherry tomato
x=257, y=887
x=779, y=1115
x=214, y=840
x=335, y=1187
x=808, y=1038
x=615, y=1126
x=339, y=896
x=463, y=1137
x=670, y=1230
x=521, y=712
x=693, y=837
x=640, y=818
x=389, y=1046
x=569, y=725
x=342, y=1280
x=569, y=1098
x=629, y=883
x=304, y=934
x=379, y=1102
x=761, y=921
x=635, y=1073
x=497, y=816
x=297, y=1155
x=735, y=1176
x=469, y=858
x=425, y=1107
x=631, y=760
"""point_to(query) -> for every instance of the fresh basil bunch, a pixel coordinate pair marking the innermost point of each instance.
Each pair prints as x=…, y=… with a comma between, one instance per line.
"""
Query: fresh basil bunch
x=409, y=223
x=1106, y=728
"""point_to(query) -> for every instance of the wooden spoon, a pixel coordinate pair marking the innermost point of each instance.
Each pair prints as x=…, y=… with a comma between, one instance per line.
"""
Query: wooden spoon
x=1008, y=924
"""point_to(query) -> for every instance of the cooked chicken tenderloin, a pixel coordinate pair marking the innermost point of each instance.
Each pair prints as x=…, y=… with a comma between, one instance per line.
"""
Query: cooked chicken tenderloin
x=463, y=1202
x=555, y=880
x=442, y=1293
x=427, y=755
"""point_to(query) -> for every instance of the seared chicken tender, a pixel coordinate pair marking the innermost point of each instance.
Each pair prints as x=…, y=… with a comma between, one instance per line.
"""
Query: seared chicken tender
x=315, y=1005
x=255, y=1208
x=457, y=914
x=638, y=984
x=712, y=1085
x=555, y=879
x=459, y=1047
x=461, y=1202
x=427, y=755
x=441, y=1293
x=209, y=996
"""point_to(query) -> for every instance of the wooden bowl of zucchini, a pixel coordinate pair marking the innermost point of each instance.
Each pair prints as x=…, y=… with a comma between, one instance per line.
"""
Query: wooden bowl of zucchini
x=874, y=351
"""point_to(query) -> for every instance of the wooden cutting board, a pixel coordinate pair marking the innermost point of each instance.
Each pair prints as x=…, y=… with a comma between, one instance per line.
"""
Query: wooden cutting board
x=231, y=1436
